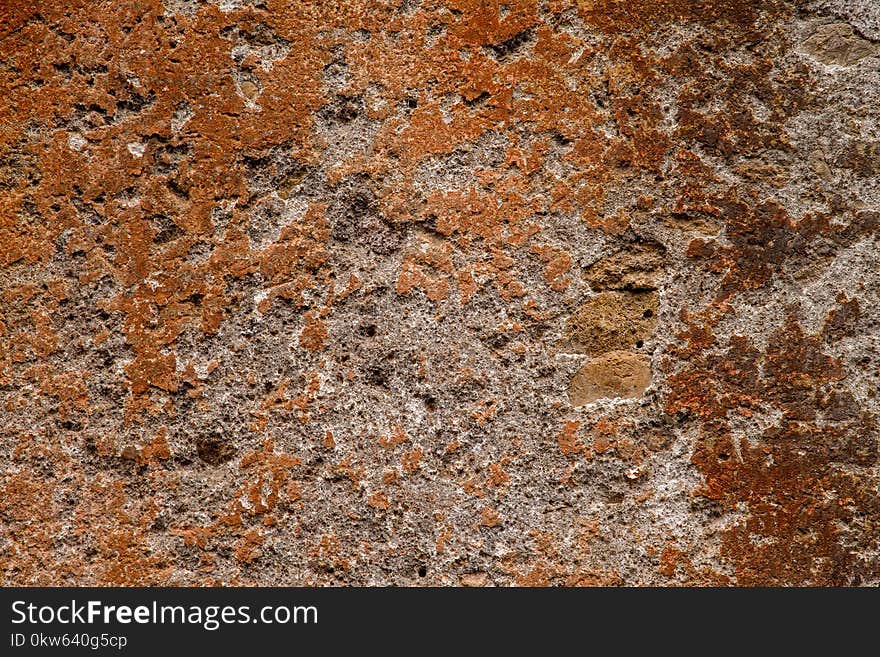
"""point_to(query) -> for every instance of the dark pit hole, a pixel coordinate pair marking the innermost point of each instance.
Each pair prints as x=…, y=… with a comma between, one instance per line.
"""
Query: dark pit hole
x=412, y=103
x=180, y=189
x=167, y=234
x=423, y=571
x=479, y=100
x=195, y=298
x=214, y=450
x=545, y=370
x=430, y=222
x=639, y=344
x=369, y=330
x=377, y=376
x=648, y=314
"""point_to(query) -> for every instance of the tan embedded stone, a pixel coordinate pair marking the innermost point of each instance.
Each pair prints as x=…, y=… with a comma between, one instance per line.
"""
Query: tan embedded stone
x=838, y=44
x=619, y=374
x=704, y=224
x=613, y=321
x=635, y=268
x=820, y=166
x=249, y=89
x=474, y=580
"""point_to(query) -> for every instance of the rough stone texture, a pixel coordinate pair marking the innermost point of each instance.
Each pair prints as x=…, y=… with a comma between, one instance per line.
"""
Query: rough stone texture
x=297, y=293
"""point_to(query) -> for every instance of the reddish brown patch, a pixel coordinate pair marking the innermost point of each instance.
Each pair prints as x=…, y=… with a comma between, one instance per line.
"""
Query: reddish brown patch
x=489, y=517
x=379, y=501
x=411, y=460
x=314, y=333
x=568, y=440
x=805, y=509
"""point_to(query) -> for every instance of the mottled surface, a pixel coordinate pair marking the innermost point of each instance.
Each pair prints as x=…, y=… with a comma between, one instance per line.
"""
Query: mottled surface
x=450, y=292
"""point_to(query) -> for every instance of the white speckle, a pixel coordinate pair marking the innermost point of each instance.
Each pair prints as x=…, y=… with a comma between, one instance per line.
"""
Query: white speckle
x=129, y=202
x=259, y=298
x=239, y=53
x=76, y=141
x=201, y=370
x=227, y=6
x=416, y=412
x=181, y=117
x=136, y=148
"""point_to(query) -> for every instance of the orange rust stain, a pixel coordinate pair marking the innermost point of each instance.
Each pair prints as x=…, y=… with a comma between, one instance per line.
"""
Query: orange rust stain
x=156, y=450
x=489, y=517
x=604, y=434
x=568, y=440
x=497, y=474
x=411, y=460
x=397, y=437
x=379, y=501
x=165, y=240
x=314, y=334
x=669, y=561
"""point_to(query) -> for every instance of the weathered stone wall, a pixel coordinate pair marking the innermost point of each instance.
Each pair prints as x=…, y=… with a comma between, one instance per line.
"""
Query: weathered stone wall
x=441, y=291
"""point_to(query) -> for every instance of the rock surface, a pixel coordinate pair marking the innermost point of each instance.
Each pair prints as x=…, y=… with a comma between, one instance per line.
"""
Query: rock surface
x=450, y=292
